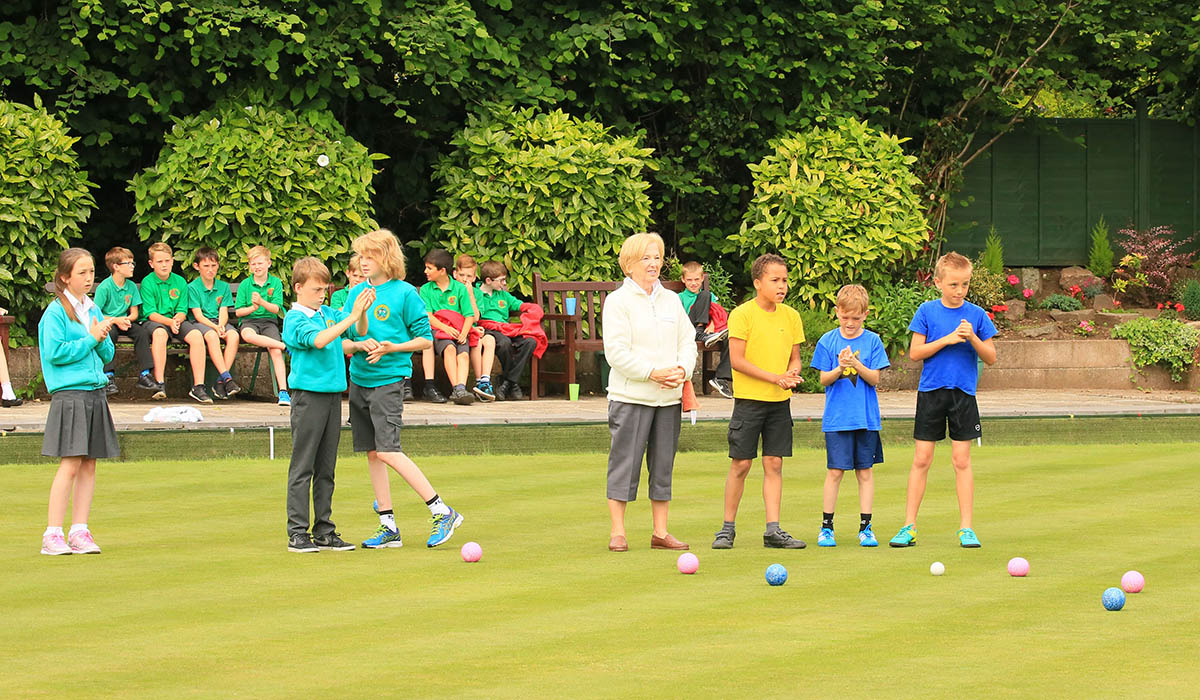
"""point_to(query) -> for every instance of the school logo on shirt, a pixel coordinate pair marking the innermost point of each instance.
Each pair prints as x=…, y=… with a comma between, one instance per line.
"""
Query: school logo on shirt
x=452, y=300
x=382, y=312
x=501, y=303
x=329, y=323
x=218, y=298
x=173, y=293
x=128, y=298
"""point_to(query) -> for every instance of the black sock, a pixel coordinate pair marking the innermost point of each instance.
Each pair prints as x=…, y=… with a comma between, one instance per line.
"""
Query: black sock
x=864, y=521
x=432, y=500
x=386, y=512
x=827, y=520
x=727, y=525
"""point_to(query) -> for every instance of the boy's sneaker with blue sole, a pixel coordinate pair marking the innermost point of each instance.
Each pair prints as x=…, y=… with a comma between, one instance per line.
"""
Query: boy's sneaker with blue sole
x=866, y=538
x=825, y=539
x=443, y=527
x=907, y=537
x=968, y=539
x=383, y=538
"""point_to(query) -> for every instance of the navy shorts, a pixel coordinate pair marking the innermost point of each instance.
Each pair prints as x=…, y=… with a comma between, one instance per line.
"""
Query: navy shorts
x=941, y=407
x=853, y=449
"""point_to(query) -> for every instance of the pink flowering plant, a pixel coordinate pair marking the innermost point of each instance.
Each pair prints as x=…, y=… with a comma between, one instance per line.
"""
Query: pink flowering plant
x=1085, y=329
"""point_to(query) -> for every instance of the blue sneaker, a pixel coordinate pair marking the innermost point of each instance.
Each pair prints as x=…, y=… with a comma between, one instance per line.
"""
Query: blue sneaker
x=967, y=538
x=907, y=536
x=825, y=539
x=443, y=527
x=866, y=538
x=375, y=506
x=382, y=539
x=285, y=399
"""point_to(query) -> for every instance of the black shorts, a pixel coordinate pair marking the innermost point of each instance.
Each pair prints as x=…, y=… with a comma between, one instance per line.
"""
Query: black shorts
x=440, y=345
x=376, y=415
x=268, y=327
x=772, y=420
x=937, y=408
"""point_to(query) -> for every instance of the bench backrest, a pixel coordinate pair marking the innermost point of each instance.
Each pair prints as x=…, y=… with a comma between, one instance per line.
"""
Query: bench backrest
x=589, y=298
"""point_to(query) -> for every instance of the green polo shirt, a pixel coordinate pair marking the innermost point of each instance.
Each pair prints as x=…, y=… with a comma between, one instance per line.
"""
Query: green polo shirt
x=496, y=306
x=338, y=299
x=272, y=291
x=209, y=301
x=116, y=301
x=456, y=298
x=167, y=297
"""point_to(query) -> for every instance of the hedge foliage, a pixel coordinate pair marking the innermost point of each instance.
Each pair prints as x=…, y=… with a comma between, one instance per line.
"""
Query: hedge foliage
x=245, y=173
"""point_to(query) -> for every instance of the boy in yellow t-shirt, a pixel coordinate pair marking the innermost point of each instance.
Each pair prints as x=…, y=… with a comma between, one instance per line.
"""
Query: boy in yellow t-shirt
x=764, y=348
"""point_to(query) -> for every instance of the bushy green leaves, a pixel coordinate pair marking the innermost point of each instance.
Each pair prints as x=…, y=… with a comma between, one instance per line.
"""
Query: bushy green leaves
x=1160, y=341
x=545, y=192
x=44, y=198
x=892, y=309
x=839, y=204
x=245, y=174
x=987, y=288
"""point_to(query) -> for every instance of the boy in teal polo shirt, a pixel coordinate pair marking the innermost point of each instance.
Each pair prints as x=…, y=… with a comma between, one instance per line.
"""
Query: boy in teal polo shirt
x=119, y=299
x=443, y=292
x=165, y=304
x=258, y=304
x=209, y=299
x=495, y=303
x=313, y=334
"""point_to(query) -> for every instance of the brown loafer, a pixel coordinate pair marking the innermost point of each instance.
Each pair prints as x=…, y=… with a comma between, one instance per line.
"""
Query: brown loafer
x=668, y=542
x=618, y=544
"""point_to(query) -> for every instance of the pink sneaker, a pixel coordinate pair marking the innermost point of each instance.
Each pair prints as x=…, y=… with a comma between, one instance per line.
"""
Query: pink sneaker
x=82, y=543
x=54, y=545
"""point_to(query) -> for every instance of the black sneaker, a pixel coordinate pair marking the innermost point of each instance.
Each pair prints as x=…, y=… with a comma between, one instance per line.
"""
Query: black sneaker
x=712, y=339
x=461, y=396
x=332, y=541
x=231, y=388
x=432, y=393
x=160, y=391
x=781, y=540
x=199, y=394
x=724, y=539
x=302, y=543
x=514, y=392
x=722, y=387
x=147, y=382
x=219, y=392
x=11, y=403
x=111, y=388
x=408, y=392
x=501, y=391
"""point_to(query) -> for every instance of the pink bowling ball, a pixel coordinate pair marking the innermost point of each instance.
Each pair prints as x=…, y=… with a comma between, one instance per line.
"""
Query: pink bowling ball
x=1018, y=566
x=471, y=552
x=687, y=563
x=1133, y=582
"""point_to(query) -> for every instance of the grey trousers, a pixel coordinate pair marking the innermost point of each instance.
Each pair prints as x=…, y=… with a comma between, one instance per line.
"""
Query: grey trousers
x=316, y=429
x=639, y=430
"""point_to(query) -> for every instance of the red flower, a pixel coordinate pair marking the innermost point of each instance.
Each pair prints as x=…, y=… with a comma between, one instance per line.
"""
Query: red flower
x=1160, y=305
x=1179, y=308
x=1014, y=280
x=1116, y=303
x=1027, y=293
x=999, y=308
x=991, y=315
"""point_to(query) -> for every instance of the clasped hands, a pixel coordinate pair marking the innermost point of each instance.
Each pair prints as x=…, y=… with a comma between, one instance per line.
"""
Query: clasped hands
x=669, y=377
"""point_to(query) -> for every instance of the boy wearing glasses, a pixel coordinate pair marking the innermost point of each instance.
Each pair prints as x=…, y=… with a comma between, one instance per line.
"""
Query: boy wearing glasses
x=119, y=299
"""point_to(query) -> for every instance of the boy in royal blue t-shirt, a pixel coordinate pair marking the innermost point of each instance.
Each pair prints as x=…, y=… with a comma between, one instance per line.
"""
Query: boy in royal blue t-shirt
x=961, y=332
x=850, y=358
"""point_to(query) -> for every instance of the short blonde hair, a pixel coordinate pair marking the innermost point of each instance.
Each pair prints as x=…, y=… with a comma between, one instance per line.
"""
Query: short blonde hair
x=159, y=247
x=308, y=268
x=951, y=261
x=691, y=268
x=258, y=251
x=465, y=262
x=852, y=297
x=382, y=247
x=636, y=246
x=355, y=261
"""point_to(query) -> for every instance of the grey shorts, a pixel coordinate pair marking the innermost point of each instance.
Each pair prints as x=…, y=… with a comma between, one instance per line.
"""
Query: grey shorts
x=268, y=327
x=189, y=326
x=637, y=431
x=770, y=420
x=184, y=329
x=440, y=345
x=376, y=415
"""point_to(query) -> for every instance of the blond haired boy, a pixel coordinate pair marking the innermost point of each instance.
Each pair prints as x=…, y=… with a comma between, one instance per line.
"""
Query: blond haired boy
x=258, y=303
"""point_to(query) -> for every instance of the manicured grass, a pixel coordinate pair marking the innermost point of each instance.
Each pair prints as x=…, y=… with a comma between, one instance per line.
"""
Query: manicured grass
x=195, y=595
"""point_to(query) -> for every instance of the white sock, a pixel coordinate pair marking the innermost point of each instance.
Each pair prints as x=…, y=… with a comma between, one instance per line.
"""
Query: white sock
x=53, y=531
x=78, y=527
x=389, y=521
x=439, y=508
x=6, y=391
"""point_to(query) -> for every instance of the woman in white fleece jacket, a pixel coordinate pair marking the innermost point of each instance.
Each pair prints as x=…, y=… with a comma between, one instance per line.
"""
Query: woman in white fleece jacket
x=651, y=347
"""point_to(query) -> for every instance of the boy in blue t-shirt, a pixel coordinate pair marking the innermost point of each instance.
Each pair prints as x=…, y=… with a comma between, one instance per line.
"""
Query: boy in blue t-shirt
x=961, y=332
x=850, y=358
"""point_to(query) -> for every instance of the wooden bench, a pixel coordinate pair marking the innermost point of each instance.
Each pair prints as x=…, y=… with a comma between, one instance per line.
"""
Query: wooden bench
x=581, y=331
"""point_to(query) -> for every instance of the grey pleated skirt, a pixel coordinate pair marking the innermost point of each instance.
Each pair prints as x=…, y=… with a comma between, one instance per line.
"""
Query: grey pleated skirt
x=80, y=425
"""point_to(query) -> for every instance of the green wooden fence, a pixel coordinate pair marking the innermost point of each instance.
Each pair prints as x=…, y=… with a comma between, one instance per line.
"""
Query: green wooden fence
x=1043, y=190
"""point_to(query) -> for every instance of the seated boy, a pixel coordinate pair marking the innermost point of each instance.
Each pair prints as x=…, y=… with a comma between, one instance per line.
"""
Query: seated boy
x=354, y=276
x=497, y=304
x=209, y=299
x=165, y=303
x=440, y=293
x=119, y=299
x=258, y=303
x=484, y=352
x=699, y=303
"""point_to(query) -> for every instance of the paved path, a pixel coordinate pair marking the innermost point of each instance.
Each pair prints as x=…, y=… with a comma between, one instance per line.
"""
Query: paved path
x=999, y=403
